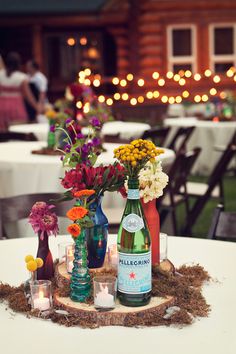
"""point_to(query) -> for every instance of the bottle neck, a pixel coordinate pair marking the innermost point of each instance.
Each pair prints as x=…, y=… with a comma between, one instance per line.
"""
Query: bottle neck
x=133, y=189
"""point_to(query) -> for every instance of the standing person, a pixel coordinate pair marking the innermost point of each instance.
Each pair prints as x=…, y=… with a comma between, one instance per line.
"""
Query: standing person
x=14, y=88
x=38, y=84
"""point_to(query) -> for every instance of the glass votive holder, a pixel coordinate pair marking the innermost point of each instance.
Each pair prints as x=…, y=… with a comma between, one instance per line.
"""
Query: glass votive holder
x=163, y=246
x=41, y=294
x=112, y=256
x=105, y=288
x=62, y=251
x=70, y=249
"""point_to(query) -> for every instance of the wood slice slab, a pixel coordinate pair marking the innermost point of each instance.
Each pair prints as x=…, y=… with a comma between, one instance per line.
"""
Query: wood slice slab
x=119, y=316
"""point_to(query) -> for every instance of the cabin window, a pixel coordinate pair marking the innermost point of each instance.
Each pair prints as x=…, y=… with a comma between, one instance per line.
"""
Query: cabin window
x=222, y=47
x=181, y=48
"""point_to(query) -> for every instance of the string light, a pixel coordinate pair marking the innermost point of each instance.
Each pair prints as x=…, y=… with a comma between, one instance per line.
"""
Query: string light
x=207, y=72
x=185, y=94
x=141, y=82
x=171, y=100
x=117, y=96
x=130, y=77
x=83, y=40
x=133, y=101
x=115, y=81
x=86, y=107
x=182, y=82
x=205, y=98
x=87, y=82
x=125, y=96
x=123, y=82
x=216, y=79
x=109, y=101
x=213, y=91
x=101, y=98
x=79, y=104
x=161, y=82
x=188, y=73
x=230, y=73
x=164, y=99
x=96, y=83
x=156, y=94
x=155, y=75
x=197, y=77
x=178, y=99
x=176, y=77
x=223, y=95
x=140, y=99
x=149, y=95
x=71, y=41
x=87, y=71
x=169, y=75
x=197, y=98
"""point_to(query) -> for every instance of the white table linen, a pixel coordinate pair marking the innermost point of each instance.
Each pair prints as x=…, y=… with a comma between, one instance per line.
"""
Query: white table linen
x=207, y=135
x=215, y=334
x=127, y=130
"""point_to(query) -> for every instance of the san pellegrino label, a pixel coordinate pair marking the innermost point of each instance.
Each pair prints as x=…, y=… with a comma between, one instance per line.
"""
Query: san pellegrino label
x=133, y=194
x=134, y=273
x=132, y=223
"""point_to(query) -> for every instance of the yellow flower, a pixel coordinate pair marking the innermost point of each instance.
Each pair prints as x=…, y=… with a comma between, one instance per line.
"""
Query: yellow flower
x=39, y=262
x=29, y=258
x=31, y=265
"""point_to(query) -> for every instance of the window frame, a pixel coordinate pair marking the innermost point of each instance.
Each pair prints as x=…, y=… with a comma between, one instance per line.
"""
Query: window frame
x=191, y=59
x=221, y=58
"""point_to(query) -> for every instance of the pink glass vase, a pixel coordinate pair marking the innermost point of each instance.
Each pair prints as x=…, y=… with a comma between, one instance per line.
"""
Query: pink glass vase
x=46, y=272
x=153, y=220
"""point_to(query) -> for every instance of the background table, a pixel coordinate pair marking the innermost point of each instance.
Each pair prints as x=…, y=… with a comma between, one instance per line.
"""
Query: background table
x=127, y=130
x=207, y=135
x=215, y=334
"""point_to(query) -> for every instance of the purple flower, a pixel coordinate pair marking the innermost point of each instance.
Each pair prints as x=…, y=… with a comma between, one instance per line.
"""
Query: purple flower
x=62, y=158
x=85, y=148
x=52, y=128
x=95, y=122
x=43, y=220
x=96, y=141
x=67, y=148
x=68, y=120
x=80, y=136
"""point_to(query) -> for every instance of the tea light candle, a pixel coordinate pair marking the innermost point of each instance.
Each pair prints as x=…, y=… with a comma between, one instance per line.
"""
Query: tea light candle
x=70, y=266
x=69, y=258
x=113, y=255
x=104, y=299
x=41, y=303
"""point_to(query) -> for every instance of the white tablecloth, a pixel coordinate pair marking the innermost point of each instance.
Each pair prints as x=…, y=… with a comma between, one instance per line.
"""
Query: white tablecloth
x=21, y=172
x=127, y=130
x=215, y=334
x=206, y=135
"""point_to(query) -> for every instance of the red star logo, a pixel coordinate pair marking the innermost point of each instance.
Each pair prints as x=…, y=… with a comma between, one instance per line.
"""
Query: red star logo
x=132, y=275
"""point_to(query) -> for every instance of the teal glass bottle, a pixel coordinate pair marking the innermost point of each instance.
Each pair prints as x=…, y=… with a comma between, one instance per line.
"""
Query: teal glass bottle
x=80, y=286
x=134, y=252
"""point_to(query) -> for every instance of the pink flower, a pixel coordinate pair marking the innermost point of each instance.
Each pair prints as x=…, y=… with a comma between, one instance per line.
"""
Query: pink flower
x=43, y=219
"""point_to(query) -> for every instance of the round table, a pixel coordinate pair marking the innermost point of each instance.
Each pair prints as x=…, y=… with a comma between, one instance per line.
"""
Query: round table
x=207, y=135
x=214, y=334
x=127, y=130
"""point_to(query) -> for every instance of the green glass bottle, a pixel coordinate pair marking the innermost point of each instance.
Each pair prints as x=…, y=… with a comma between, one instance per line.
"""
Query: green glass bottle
x=134, y=252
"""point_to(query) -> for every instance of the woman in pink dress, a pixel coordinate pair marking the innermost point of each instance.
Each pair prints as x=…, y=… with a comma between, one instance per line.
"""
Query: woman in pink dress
x=14, y=88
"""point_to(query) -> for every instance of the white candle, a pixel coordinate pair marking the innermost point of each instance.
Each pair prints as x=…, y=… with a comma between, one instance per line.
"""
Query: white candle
x=70, y=266
x=104, y=299
x=41, y=303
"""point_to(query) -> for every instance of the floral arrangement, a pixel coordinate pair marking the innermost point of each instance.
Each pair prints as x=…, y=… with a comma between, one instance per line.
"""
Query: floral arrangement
x=135, y=155
x=43, y=220
x=80, y=215
x=33, y=264
x=100, y=179
x=80, y=148
x=152, y=181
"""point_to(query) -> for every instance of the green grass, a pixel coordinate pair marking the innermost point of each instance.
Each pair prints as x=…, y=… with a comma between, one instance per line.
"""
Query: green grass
x=203, y=222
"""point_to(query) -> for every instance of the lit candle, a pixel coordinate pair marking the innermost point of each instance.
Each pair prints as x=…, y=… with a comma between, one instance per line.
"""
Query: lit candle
x=70, y=266
x=41, y=303
x=104, y=299
x=113, y=255
x=69, y=258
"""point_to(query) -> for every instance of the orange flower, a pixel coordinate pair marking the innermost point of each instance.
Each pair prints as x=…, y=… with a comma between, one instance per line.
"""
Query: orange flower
x=74, y=230
x=84, y=192
x=76, y=213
